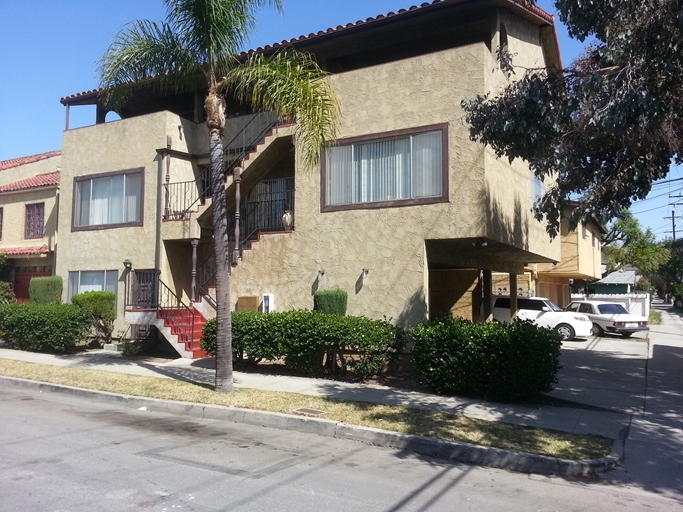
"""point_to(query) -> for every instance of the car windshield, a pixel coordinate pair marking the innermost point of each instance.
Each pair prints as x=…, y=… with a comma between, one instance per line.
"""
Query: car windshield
x=553, y=307
x=612, y=309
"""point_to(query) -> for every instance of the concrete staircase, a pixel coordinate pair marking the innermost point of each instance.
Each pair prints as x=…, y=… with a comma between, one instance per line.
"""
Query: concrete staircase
x=182, y=328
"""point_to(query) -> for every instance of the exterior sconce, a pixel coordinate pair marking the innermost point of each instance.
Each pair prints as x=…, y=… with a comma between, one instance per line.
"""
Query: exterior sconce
x=127, y=264
x=321, y=273
x=365, y=272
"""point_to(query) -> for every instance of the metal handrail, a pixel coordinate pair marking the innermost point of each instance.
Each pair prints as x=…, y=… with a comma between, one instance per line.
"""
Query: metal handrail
x=145, y=290
x=174, y=309
x=182, y=196
x=178, y=204
x=247, y=145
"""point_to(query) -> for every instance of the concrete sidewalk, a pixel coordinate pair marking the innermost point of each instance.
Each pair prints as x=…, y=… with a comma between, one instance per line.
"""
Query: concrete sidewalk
x=608, y=423
x=632, y=390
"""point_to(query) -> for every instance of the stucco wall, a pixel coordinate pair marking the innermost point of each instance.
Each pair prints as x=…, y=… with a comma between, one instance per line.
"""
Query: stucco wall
x=111, y=147
x=389, y=242
x=14, y=218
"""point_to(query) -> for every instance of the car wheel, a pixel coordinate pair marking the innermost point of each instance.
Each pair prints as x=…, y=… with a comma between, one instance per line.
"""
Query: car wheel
x=626, y=334
x=566, y=331
x=597, y=330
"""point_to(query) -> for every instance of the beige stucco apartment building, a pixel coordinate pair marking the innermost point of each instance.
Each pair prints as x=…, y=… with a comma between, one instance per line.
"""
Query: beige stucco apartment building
x=29, y=198
x=404, y=211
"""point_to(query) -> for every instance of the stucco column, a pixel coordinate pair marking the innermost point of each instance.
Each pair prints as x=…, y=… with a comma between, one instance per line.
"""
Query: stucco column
x=195, y=243
x=513, y=296
x=488, y=286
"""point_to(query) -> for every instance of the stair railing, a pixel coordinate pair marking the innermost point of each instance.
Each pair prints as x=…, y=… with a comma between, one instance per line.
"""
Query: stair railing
x=182, y=197
x=145, y=290
x=175, y=311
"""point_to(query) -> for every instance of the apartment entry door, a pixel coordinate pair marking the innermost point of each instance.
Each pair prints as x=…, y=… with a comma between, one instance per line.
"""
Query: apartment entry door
x=22, y=279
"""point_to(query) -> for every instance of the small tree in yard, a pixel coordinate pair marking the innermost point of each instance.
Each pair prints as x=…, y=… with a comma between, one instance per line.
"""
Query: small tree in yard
x=102, y=307
x=201, y=38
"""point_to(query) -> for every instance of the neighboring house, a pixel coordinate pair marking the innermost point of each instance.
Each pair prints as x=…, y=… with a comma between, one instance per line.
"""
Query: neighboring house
x=619, y=282
x=29, y=198
x=404, y=212
x=579, y=265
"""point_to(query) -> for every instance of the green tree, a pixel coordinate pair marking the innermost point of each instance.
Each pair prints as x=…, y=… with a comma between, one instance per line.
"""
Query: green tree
x=670, y=275
x=195, y=47
x=627, y=244
x=608, y=125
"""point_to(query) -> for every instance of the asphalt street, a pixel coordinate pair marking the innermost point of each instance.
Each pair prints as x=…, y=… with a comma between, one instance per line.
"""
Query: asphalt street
x=62, y=454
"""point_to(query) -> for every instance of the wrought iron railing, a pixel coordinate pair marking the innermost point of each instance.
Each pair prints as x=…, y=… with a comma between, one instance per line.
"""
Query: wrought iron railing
x=248, y=138
x=177, y=313
x=182, y=196
x=144, y=290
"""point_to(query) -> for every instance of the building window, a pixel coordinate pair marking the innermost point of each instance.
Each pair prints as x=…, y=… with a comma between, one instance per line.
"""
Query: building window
x=82, y=281
x=536, y=189
x=108, y=201
x=394, y=169
x=35, y=220
x=1, y=215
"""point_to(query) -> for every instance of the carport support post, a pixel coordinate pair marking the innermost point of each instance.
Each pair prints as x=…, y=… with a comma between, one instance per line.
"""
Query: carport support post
x=513, y=297
x=488, y=286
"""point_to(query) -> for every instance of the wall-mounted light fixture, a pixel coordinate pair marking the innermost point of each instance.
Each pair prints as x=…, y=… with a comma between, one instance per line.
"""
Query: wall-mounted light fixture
x=365, y=271
x=127, y=264
x=321, y=274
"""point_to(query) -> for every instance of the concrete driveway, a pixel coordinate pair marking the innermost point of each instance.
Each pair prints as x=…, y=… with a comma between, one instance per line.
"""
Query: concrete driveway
x=641, y=377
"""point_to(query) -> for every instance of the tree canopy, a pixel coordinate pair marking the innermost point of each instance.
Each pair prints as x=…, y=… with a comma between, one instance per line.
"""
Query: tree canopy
x=627, y=244
x=608, y=125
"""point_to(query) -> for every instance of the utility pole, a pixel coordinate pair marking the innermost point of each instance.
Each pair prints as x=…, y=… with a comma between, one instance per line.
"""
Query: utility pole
x=673, y=222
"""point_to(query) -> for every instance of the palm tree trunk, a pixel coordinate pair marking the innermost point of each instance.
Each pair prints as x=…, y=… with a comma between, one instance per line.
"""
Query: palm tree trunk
x=215, y=122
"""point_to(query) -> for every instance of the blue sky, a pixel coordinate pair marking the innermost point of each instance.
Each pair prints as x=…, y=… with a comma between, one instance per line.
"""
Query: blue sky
x=50, y=49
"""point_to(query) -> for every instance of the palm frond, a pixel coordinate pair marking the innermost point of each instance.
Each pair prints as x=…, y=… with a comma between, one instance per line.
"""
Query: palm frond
x=145, y=51
x=215, y=29
x=291, y=83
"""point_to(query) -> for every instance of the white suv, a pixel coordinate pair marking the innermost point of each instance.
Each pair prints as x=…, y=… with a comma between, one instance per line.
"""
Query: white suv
x=545, y=314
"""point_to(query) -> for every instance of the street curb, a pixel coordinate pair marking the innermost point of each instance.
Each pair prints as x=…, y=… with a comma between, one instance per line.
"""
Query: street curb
x=437, y=448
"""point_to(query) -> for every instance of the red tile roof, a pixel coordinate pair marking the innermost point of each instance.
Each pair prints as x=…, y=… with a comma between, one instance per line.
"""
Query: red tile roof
x=15, y=162
x=50, y=179
x=25, y=251
x=523, y=4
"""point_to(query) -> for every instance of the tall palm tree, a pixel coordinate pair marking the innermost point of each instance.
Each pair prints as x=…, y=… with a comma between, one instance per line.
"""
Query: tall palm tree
x=202, y=38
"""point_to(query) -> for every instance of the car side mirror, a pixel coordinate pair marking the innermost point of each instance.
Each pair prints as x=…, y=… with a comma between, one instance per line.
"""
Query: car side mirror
x=545, y=308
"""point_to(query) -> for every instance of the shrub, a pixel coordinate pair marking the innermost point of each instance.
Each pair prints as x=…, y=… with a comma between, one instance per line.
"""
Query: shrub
x=45, y=290
x=505, y=363
x=7, y=293
x=332, y=302
x=311, y=341
x=102, y=307
x=43, y=327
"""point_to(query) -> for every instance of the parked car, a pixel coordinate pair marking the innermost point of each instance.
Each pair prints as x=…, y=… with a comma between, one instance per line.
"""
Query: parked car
x=545, y=314
x=610, y=317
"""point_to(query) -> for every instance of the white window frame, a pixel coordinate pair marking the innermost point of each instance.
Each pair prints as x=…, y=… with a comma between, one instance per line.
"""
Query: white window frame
x=110, y=282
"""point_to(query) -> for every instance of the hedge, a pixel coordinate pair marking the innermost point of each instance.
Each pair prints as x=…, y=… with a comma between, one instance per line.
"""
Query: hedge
x=44, y=327
x=507, y=363
x=102, y=307
x=332, y=302
x=311, y=341
x=45, y=290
